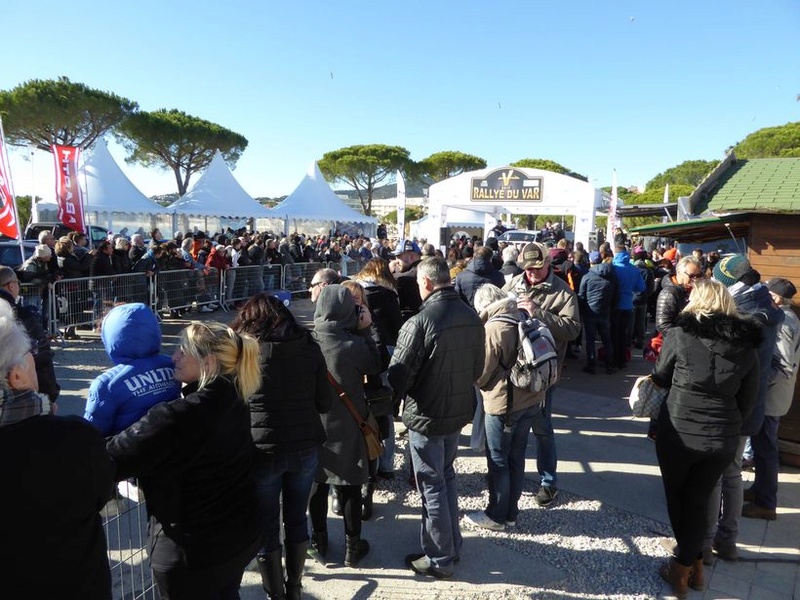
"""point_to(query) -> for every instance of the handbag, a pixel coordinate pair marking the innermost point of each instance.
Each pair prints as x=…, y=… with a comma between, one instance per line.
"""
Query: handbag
x=380, y=400
x=368, y=426
x=646, y=397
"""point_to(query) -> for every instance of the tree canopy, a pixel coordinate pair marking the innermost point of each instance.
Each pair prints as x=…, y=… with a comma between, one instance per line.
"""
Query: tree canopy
x=46, y=112
x=173, y=140
x=689, y=172
x=449, y=163
x=782, y=142
x=364, y=167
x=547, y=165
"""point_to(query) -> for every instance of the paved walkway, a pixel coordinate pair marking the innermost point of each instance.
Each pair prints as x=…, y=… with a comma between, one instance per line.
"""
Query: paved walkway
x=600, y=540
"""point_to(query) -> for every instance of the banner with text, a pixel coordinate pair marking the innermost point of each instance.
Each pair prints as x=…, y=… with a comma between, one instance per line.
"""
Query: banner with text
x=8, y=213
x=503, y=185
x=68, y=190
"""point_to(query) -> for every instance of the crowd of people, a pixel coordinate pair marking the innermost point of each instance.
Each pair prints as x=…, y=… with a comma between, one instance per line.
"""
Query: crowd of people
x=262, y=413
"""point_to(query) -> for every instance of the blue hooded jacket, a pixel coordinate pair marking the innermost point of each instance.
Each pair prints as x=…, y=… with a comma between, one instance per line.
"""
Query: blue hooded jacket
x=141, y=378
x=629, y=281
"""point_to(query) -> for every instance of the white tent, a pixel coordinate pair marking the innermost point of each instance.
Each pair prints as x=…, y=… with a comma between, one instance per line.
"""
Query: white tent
x=108, y=189
x=455, y=218
x=218, y=194
x=314, y=200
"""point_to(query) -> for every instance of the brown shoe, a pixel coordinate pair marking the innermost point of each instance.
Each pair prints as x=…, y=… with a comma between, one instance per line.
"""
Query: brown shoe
x=677, y=575
x=751, y=510
x=696, y=581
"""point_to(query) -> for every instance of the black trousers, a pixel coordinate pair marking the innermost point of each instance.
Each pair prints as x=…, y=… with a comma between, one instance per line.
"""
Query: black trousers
x=688, y=477
x=621, y=325
x=350, y=498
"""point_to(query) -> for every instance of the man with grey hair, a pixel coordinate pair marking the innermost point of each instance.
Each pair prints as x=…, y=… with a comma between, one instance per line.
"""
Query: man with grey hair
x=438, y=357
x=510, y=268
x=321, y=279
x=428, y=250
x=137, y=248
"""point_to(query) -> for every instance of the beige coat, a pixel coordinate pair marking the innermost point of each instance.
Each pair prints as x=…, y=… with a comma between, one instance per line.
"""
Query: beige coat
x=558, y=308
x=501, y=347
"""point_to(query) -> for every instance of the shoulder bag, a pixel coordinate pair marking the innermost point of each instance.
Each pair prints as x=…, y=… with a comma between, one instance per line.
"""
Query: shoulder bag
x=646, y=397
x=368, y=426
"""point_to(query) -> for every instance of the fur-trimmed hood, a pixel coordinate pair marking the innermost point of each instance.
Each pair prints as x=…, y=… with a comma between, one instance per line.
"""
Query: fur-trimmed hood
x=738, y=331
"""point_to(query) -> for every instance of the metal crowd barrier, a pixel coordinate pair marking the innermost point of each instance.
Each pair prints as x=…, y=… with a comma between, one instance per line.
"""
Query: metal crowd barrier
x=125, y=524
x=82, y=302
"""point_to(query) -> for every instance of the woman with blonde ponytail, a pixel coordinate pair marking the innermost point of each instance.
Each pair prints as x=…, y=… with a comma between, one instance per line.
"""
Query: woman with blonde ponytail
x=193, y=457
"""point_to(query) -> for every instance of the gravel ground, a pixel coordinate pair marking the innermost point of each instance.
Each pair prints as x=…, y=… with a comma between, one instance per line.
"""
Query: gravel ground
x=598, y=546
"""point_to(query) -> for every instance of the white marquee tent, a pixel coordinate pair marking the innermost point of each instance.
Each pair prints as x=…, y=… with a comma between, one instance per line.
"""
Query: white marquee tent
x=314, y=203
x=455, y=218
x=217, y=194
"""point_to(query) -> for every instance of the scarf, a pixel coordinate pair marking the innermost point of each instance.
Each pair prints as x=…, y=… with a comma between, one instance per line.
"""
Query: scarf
x=16, y=406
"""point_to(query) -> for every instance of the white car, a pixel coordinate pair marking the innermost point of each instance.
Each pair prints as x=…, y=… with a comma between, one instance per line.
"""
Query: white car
x=519, y=237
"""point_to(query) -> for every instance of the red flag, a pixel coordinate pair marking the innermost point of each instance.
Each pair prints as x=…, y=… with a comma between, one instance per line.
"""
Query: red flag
x=8, y=217
x=68, y=190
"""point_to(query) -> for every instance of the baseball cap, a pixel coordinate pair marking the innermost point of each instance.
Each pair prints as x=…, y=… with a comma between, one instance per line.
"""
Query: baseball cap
x=595, y=258
x=406, y=246
x=533, y=256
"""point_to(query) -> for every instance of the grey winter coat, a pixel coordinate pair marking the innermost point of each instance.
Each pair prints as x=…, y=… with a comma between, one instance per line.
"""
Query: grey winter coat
x=350, y=355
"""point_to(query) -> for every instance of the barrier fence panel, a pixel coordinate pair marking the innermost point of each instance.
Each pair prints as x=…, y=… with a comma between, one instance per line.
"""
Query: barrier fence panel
x=241, y=283
x=273, y=277
x=182, y=288
x=83, y=302
x=125, y=524
x=36, y=295
x=346, y=267
x=297, y=277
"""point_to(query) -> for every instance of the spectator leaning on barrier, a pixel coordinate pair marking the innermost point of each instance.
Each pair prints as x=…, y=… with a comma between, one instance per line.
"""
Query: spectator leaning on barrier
x=30, y=319
x=439, y=356
x=43, y=453
x=140, y=378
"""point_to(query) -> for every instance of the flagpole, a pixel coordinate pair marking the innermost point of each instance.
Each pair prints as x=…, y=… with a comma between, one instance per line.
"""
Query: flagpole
x=612, y=211
x=7, y=170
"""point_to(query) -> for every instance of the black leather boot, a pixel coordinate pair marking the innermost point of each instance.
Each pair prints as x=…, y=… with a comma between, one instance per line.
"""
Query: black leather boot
x=295, y=560
x=271, y=569
x=355, y=550
x=319, y=542
x=367, y=491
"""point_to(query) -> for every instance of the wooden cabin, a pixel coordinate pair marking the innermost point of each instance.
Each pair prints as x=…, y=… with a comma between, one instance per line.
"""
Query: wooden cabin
x=755, y=202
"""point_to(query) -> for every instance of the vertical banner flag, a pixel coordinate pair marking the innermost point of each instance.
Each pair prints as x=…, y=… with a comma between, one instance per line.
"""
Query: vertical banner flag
x=8, y=212
x=668, y=217
x=401, y=205
x=612, y=211
x=68, y=189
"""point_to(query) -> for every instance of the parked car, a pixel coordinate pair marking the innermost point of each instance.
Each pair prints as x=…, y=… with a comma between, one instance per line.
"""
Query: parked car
x=10, y=255
x=58, y=230
x=519, y=237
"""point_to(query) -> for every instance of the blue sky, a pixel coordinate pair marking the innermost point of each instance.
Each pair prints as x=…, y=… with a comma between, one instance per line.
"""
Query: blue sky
x=636, y=86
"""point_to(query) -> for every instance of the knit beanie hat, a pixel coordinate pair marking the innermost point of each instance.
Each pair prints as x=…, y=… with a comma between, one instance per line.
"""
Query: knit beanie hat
x=730, y=269
x=42, y=251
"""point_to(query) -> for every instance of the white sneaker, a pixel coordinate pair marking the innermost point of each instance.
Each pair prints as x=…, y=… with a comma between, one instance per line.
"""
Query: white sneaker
x=206, y=309
x=479, y=519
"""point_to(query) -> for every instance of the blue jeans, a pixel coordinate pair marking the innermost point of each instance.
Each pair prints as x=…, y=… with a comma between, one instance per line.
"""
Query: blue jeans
x=505, y=458
x=546, y=459
x=432, y=458
x=290, y=475
x=765, y=459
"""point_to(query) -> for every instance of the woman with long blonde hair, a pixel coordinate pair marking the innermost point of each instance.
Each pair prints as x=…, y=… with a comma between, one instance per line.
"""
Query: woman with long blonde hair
x=709, y=365
x=193, y=457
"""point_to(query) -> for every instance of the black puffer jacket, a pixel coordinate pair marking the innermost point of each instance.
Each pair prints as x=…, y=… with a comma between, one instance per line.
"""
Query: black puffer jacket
x=284, y=412
x=672, y=299
x=439, y=356
x=408, y=292
x=711, y=369
x=385, y=308
x=193, y=458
